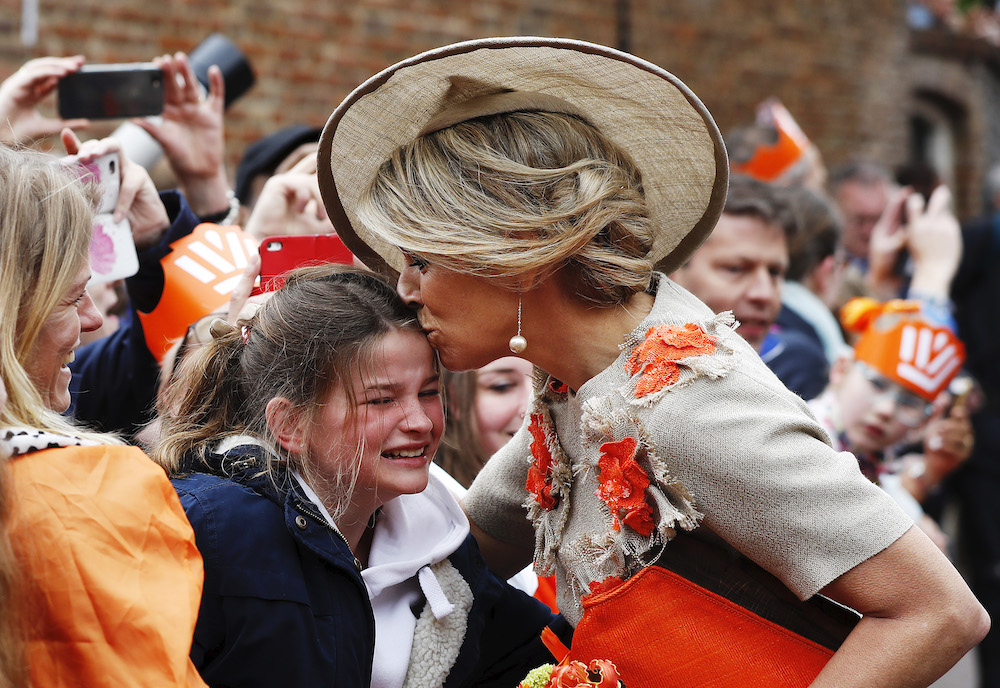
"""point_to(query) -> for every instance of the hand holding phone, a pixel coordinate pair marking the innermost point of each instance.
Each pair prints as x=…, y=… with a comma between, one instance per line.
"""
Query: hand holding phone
x=20, y=94
x=112, y=91
x=137, y=199
x=112, y=250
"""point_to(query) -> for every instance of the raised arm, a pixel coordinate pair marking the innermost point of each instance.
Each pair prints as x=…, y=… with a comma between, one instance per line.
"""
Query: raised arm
x=20, y=120
x=191, y=132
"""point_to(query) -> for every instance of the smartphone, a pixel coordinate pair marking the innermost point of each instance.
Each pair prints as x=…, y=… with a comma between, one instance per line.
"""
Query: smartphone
x=281, y=254
x=112, y=249
x=112, y=91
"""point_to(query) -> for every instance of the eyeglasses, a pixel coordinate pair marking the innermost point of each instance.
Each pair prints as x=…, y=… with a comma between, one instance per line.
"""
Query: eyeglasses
x=911, y=410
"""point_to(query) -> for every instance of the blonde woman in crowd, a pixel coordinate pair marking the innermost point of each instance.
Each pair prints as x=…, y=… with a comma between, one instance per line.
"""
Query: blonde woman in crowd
x=107, y=577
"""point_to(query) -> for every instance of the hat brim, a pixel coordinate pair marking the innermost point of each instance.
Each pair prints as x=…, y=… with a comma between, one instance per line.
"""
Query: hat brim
x=644, y=109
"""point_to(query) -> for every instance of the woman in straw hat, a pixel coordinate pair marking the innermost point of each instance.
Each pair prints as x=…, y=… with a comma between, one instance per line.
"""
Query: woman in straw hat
x=529, y=194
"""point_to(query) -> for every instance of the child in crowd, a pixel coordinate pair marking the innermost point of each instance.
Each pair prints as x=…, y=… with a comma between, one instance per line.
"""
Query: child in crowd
x=485, y=408
x=885, y=393
x=300, y=441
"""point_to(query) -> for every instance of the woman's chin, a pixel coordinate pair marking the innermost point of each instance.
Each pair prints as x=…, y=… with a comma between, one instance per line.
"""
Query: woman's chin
x=59, y=398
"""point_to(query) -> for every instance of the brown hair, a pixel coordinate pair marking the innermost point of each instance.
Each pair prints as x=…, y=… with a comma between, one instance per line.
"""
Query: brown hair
x=818, y=231
x=461, y=453
x=309, y=337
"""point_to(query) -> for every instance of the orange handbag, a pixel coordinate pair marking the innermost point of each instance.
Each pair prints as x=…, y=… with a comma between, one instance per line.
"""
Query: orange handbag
x=661, y=629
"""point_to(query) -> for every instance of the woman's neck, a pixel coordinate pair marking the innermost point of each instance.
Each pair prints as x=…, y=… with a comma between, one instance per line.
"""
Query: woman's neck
x=579, y=340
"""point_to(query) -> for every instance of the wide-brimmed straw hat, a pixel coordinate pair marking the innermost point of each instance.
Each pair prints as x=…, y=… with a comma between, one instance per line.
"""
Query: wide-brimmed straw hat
x=644, y=109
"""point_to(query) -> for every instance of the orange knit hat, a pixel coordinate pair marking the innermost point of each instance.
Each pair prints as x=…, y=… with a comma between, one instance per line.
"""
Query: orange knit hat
x=907, y=348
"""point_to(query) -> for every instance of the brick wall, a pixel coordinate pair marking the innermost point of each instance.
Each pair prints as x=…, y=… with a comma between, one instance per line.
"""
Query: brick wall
x=840, y=67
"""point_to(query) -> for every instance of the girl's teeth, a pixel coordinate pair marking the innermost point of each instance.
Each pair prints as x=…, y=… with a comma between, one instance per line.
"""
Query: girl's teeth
x=405, y=454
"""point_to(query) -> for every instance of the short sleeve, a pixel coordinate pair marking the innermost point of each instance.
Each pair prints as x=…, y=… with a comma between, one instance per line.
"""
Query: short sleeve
x=765, y=477
x=495, y=500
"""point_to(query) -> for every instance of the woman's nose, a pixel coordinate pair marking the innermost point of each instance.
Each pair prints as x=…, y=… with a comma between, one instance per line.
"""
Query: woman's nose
x=90, y=318
x=408, y=285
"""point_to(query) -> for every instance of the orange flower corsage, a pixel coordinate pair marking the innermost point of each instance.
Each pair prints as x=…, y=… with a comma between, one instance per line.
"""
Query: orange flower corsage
x=656, y=358
x=539, y=481
x=623, y=485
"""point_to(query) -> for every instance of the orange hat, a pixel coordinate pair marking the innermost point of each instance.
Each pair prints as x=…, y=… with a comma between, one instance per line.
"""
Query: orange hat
x=907, y=348
x=770, y=160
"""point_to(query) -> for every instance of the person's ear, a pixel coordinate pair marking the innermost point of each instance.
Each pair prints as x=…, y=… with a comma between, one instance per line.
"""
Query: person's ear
x=823, y=277
x=284, y=421
x=840, y=368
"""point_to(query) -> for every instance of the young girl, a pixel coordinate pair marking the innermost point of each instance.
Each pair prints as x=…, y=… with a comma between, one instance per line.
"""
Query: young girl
x=886, y=391
x=301, y=441
x=485, y=409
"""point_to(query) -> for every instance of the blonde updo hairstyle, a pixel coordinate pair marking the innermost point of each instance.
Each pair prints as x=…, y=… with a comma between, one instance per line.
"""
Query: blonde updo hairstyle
x=311, y=336
x=506, y=194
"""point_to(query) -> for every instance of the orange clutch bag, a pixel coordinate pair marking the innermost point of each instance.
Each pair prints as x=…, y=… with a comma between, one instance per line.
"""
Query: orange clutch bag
x=661, y=628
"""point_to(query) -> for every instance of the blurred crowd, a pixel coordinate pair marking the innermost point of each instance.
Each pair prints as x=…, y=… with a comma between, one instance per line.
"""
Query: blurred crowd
x=977, y=18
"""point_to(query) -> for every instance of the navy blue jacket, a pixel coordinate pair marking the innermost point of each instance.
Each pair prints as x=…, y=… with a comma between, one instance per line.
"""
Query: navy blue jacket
x=284, y=604
x=794, y=352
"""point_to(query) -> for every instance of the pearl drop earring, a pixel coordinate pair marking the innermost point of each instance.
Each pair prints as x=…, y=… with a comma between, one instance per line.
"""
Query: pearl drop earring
x=518, y=343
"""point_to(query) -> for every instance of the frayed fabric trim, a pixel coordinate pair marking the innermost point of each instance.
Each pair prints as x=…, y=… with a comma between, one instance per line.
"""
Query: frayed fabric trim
x=673, y=503
x=437, y=641
x=621, y=553
x=707, y=343
x=550, y=524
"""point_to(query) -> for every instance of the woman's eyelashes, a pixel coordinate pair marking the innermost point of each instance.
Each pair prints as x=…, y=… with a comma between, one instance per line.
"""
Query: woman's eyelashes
x=415, y=261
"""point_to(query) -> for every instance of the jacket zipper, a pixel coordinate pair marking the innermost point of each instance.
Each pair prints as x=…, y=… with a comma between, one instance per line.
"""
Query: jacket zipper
x=323, y=522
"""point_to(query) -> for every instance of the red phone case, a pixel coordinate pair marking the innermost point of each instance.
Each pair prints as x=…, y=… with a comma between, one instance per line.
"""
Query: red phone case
x=281, y=254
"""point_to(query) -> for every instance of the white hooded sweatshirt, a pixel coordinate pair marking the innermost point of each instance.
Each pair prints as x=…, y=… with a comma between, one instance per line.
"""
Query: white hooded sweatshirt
x=414, y=536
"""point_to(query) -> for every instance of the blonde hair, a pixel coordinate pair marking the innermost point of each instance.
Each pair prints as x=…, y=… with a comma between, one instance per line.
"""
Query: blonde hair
x=308, y=338
x=506, y=194
x=46, y=218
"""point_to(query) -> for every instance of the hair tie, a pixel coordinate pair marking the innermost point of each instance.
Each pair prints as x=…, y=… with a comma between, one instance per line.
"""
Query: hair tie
x=245, y=334
x=220, y=328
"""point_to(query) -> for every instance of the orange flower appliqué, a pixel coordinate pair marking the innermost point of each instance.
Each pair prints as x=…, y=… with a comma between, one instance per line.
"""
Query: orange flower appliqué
x=623, y=485
x=656, y=358
x=540, y=473
x=600, y=673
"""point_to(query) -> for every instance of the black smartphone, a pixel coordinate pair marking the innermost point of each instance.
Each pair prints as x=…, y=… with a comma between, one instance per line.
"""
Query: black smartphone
x=112, y=91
